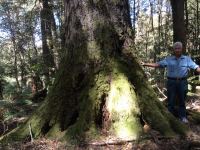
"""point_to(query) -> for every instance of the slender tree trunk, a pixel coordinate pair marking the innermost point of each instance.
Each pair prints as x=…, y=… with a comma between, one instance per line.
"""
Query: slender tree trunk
x=36, y=82
x=100, y=85
x=198, y=28
x=12, y=32
x=1, y=89
x=178, y=21
x=22, y=66
x=159, y=25
x=186, y=20
x=16, y=74
x=16, y=67
x=168, y=24
x=47, y=41
x=134, y=15
x=151, y=16
x=55, y=36
x=186, y=14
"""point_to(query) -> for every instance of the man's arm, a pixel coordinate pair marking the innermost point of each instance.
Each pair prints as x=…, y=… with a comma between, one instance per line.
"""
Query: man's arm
x=154, y=65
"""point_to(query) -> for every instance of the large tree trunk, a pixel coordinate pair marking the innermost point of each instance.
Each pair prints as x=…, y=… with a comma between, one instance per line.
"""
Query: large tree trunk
x=100, y=86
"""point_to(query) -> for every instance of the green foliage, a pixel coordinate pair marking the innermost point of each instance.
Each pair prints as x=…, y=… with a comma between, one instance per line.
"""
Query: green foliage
x=153, y=28
x=9, y=88
x=193, y=29
x=13, y=109
x=15, y=105
x=20, y=41
x=10, y=92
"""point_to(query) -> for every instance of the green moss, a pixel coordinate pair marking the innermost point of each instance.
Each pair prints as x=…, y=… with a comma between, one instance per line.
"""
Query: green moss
x=115, y=1
x=194, y=116
x=93, y=51
x=127, y=128
x=55, y=132
x=107, y=38
x=90, y=100
x=111, y=85
x=122, y=105
x=34, y=123
x=23, y=131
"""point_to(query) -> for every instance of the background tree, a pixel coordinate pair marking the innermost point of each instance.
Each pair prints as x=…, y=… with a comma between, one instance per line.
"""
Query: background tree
x=193, y=27
x=20, y=23
x=178, y=21
x=48, y=27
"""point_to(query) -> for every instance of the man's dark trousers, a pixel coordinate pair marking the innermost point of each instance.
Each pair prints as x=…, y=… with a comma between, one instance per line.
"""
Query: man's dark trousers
x=177, y=87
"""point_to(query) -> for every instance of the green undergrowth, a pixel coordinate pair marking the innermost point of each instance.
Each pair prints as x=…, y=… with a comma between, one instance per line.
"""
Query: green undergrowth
x=22, y=132
x=194, y=116
x=16, y=109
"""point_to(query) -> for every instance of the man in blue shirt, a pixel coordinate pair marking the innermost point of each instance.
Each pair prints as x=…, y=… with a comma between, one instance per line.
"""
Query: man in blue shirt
x=177, y=66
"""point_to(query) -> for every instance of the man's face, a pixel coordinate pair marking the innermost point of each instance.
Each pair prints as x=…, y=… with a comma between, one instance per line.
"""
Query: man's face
x=178, y=50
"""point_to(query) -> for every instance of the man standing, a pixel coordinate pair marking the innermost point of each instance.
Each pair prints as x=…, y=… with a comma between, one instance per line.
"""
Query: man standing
x=177, y=71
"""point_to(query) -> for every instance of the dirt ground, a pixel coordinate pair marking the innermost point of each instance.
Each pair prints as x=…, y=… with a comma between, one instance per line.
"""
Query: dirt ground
x=153, y=141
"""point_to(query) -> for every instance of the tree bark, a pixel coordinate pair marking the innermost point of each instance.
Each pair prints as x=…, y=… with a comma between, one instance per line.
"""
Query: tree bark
x=151, y=16
x=1, y=89
x=47, y=39
x=100, y=85
x=12, y=32
x=197, y=43
x=178, y=21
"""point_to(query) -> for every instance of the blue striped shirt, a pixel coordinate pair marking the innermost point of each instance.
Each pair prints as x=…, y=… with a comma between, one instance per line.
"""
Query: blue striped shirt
x=178, y=67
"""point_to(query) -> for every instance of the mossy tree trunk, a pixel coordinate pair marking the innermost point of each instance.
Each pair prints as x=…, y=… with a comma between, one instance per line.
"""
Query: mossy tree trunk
x=100, y=85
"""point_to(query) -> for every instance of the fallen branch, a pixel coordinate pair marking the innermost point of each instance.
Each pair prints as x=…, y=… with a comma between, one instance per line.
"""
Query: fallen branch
x=4, y=127
x=161, y=92
x=30, y=131
x=111, y=142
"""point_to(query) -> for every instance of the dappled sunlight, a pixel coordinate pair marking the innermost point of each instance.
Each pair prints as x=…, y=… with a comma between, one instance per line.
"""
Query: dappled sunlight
x=123, y=108
x=122, y=97
x=127, y=130
x=123, y=132
x=123, y=104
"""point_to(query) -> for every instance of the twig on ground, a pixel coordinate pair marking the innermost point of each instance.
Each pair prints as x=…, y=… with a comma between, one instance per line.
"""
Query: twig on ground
x=112, y=142
x=30, y=131
x=161, y=92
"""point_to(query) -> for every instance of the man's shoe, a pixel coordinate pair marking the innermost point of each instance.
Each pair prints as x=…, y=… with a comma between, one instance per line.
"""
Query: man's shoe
x=184, y=120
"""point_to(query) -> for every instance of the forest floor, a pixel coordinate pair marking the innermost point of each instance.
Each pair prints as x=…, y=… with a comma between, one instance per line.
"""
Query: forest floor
x=16, y=112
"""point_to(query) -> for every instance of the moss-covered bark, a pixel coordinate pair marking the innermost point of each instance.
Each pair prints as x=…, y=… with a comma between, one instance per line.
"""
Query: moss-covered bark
x=100, y=85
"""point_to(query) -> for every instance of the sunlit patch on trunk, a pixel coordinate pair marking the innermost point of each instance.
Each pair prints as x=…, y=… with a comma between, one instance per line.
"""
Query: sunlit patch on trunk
x=123, y=108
